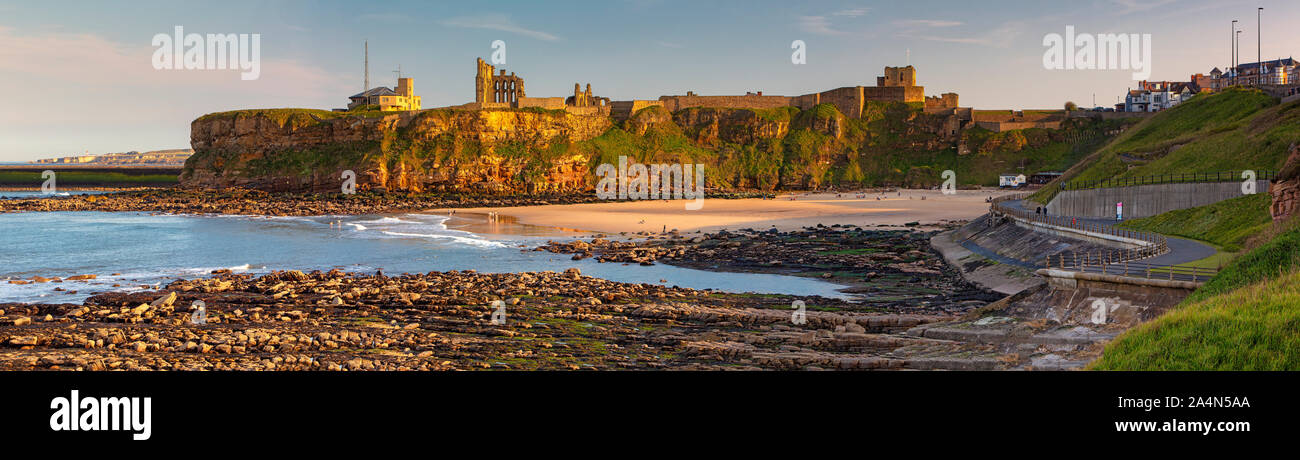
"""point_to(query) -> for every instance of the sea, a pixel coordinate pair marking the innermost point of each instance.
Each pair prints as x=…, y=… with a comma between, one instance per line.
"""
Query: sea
x=132, y=251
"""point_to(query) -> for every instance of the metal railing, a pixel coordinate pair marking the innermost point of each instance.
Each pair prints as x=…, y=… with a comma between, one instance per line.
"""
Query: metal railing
x=1093, y=262
x=1113, y=261
x=1221, y=176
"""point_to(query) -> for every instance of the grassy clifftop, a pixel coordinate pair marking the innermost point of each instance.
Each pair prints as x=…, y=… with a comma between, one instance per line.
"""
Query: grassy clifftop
x=1232, y=130
x=296, y=117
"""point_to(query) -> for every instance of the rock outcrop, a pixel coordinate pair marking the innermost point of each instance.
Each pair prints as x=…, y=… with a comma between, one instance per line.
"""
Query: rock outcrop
x=1286, y=188
x=507, y=151
x=537, y=151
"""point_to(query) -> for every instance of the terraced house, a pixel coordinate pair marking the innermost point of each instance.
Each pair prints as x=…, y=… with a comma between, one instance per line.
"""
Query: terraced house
x=1159, y=95
x=1275, y=72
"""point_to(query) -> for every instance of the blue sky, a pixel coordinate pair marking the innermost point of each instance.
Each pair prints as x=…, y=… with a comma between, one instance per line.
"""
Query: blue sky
x=80, y=77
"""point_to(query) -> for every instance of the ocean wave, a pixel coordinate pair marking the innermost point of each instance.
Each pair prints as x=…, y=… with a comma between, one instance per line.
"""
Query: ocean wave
x=460, y=239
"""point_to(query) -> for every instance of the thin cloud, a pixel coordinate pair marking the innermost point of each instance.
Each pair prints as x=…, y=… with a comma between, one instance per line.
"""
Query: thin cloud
x=497, y=22
x=852, y=12
x=926, y=23
x=1000, y=37
x=1133, y=6
x=818, y=25
x=385, y=17
x=670, y=45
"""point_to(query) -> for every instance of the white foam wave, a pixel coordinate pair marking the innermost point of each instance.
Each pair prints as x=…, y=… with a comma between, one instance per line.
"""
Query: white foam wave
x=459, y=239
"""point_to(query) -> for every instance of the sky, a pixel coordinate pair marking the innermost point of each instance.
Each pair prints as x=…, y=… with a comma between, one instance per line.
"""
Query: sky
x=80, y=75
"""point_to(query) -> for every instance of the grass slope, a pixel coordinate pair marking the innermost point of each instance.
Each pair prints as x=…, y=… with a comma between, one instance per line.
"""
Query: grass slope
x=1236, y=129
x=1246, y=318
x=1226, y=224
x=85, y=178
x=1256, y=327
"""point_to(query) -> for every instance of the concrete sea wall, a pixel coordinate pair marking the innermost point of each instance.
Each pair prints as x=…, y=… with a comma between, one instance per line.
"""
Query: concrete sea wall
x=1145, y=200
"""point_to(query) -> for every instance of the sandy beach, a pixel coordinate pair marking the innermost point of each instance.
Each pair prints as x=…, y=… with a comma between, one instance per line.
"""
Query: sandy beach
x=786, y=212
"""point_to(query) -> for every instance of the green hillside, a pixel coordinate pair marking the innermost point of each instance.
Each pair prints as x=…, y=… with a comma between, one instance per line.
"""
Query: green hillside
x=1246, y=318
x=1233, y=130
x=1226, y=224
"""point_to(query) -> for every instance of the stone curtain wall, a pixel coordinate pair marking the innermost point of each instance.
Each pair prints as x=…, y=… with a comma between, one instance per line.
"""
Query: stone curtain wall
x=1145, y=200
x=999, y=126
x=894, y=93
x=543, y=102
x=622, y=110
x=675, y=103
x=603, y=110
x=847, y=100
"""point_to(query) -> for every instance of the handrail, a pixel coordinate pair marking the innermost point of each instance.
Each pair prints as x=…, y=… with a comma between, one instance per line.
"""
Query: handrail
x=1182, y=178
x=1116, y=262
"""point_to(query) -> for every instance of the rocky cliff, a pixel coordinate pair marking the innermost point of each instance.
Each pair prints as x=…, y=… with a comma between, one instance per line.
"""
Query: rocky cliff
x=1286, y=188
x=434, y=150
x=513, y=151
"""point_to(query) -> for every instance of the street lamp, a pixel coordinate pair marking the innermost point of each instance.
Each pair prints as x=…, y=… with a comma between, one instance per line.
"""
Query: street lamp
x=1232, y=45
x=1259, y=42
x=1236, y=71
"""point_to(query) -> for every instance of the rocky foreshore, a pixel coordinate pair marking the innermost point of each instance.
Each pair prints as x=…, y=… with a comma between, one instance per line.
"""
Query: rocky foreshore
x=255, y=202
x=447, y=321
x=893, y=270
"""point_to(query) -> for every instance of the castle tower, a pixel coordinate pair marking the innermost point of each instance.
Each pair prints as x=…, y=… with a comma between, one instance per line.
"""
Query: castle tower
x=898, y=76
x=483, y=89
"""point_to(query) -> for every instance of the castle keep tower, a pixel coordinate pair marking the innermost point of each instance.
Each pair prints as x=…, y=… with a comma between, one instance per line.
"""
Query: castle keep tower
x=898, y=76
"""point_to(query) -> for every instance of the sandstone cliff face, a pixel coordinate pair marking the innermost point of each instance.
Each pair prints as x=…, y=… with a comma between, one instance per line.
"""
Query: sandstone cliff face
x=479, y=151
x=514, y=151
x=709, y=126
x=1286, y=188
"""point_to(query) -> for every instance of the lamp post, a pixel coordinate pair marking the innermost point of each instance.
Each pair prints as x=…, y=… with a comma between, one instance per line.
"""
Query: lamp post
x=1259, y=42
x=1236, y=74
x=1232, y=45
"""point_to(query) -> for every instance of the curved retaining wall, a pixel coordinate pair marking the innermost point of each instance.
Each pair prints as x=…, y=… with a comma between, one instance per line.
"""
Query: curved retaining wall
x=1145, y=200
